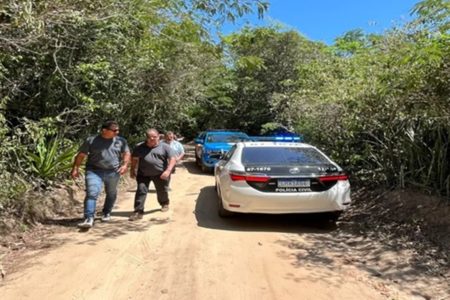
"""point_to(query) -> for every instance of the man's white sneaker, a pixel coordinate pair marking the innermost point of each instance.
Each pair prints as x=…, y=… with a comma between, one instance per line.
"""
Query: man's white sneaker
x=87, y=223
x=106, y=218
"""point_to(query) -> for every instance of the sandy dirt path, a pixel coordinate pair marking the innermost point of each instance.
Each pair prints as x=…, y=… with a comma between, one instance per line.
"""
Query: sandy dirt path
x=191, y=253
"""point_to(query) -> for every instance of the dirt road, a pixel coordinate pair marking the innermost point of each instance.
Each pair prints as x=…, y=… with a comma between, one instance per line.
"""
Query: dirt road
x=191, y=253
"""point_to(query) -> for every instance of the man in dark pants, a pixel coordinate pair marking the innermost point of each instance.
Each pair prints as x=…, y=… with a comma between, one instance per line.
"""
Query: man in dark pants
x=151, y=161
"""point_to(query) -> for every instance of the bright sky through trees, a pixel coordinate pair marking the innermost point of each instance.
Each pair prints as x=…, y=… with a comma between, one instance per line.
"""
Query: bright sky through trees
x=324, y=20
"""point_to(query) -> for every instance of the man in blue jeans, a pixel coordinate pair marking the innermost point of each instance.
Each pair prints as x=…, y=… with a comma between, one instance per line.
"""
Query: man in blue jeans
x=108, y=156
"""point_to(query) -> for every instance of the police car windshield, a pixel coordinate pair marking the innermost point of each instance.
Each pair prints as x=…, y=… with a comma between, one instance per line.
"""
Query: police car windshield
x=282, y=156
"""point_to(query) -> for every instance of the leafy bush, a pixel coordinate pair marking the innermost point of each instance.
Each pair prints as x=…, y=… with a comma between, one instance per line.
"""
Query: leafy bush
x=51, y=159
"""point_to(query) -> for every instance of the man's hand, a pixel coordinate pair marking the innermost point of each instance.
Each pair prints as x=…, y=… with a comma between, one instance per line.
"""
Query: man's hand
x=76, y=165
x=122, y=169
x=166, y=174
x=75, y=173
x=134, y=166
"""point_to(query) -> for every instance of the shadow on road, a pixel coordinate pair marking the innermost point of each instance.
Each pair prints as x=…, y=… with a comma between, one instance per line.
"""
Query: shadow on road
x=311, y=242
x=192, y=168
x=206, y=215
x=118, y=226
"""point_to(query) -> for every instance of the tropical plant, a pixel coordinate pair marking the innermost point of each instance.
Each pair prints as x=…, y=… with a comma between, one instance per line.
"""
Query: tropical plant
x=51, y=158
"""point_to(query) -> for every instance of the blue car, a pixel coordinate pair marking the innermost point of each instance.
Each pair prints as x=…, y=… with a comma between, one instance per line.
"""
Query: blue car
x=211, y=145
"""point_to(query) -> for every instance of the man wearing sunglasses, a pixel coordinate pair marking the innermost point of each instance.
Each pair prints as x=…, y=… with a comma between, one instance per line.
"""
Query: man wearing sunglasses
x=108, y=156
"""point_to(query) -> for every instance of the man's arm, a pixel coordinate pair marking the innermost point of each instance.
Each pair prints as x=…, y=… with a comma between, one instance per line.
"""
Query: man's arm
x=166, y=174
x=181, y=151
x=134, y=166
x=125, y=161
x=76, y=164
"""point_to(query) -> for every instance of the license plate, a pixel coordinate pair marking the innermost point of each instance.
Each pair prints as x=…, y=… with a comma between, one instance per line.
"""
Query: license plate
x=294, y=183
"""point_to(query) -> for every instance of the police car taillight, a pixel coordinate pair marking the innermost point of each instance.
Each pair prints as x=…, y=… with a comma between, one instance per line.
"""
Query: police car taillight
x=249, y=178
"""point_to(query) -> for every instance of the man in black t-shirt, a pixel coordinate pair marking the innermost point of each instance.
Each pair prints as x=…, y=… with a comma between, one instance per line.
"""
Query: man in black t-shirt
x=108, y=156
x=151, y=161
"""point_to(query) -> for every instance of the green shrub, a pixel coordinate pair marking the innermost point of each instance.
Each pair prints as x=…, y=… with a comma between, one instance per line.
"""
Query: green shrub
x=50, y=159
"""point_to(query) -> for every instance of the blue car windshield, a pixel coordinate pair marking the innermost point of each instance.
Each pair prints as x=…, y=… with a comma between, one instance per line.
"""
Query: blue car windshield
x=226, y=138
x=282, y=156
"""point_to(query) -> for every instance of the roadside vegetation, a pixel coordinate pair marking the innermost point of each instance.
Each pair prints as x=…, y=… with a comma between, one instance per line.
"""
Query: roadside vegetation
x=377, y=104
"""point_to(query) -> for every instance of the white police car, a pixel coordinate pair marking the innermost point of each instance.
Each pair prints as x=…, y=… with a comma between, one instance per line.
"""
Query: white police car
x=278, y=178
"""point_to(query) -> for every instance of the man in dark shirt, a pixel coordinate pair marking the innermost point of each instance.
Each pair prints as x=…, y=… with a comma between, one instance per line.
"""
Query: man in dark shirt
x=151, y=161
x=108, y=156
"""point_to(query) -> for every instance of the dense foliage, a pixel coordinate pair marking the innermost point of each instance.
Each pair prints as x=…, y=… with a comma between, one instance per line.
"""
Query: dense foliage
x=379, y=104
x=66, y=66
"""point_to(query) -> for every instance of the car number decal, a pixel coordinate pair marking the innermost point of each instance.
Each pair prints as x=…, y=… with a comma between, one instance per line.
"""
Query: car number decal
x=257, y=169
x=294, y=183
